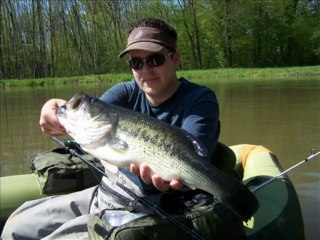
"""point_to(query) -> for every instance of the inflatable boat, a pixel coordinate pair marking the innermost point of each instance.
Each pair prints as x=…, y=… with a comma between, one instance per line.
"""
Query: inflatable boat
x=278, y=217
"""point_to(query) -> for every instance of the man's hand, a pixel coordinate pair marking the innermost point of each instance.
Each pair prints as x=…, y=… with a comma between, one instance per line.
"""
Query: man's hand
x=49, y=121
x=145, y=173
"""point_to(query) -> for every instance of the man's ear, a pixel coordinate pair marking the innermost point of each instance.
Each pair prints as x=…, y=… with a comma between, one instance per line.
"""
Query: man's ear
x=176, y=57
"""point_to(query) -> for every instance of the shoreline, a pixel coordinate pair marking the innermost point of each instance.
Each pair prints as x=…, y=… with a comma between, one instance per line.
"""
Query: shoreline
x=244, y=74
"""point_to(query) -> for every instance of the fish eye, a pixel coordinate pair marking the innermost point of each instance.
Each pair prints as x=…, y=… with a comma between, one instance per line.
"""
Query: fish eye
x=93, y=100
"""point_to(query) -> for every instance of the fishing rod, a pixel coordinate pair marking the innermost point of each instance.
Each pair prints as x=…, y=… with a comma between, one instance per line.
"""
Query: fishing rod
x=74, y=152
x=312, y=156
x=144, y=201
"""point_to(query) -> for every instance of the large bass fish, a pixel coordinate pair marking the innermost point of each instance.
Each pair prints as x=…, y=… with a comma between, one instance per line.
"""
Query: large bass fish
x=120, y=136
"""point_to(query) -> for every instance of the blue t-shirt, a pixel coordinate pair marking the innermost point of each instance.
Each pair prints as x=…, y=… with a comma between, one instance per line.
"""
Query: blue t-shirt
x=192, y=107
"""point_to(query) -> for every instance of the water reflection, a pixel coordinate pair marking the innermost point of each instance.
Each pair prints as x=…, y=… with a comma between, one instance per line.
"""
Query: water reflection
x=284, y=116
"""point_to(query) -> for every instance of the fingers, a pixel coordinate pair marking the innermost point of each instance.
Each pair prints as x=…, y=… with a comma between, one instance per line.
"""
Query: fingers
x=49, y=122
x=145, y=173
x=176, y=185
x=134, y=169
x=51, y=129
x=160, y=184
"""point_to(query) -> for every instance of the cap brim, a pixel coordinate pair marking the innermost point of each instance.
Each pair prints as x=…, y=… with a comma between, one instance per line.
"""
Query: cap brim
x=146, y=46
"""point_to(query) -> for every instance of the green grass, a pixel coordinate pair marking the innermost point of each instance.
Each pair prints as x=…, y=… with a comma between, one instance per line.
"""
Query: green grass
x=244, y=74
x=111, y=78
x=254, y=73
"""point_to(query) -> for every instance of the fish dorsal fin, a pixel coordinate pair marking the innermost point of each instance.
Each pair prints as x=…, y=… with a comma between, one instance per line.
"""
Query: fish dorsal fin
x=198, y=146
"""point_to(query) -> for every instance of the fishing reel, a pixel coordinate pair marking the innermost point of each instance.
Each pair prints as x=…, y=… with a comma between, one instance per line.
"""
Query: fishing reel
x=71, y=144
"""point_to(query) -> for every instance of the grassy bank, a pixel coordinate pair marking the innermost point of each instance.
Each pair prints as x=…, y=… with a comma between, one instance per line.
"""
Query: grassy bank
x=65, y=80
x=194, y=75
x=254, y=73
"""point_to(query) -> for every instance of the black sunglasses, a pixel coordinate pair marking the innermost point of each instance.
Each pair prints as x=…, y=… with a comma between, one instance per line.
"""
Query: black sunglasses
x=154, y=60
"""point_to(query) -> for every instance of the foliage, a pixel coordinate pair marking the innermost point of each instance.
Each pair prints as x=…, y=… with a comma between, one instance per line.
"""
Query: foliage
x=200, y=76
x=49, y=38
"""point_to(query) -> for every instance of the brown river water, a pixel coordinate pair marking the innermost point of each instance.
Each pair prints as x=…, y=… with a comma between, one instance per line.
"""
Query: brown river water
x=282, y=115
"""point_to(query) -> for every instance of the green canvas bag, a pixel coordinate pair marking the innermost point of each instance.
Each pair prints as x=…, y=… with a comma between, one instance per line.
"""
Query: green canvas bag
x=212, y=221
x=59, y=173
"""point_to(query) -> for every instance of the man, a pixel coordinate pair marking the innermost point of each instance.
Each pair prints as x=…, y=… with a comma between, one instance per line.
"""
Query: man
x=156, y=91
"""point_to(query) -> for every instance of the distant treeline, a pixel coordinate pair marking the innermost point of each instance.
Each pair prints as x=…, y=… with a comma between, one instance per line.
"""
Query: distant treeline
x=54, y=38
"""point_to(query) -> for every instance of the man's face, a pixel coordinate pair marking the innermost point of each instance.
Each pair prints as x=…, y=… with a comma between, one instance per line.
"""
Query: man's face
x=157, y=81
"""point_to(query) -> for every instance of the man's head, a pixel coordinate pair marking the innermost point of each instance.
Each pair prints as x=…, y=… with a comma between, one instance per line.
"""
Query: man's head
x=153, y=58
x=151, y=35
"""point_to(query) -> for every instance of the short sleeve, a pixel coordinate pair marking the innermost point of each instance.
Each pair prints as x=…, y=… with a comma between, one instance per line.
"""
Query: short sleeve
x=118, y=94
x=202, y=120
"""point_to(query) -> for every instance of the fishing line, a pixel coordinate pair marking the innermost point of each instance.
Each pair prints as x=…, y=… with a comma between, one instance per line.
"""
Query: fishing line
x=312, y=156
x=90, y=164
x=144, y=201
x=158, y=210
x=161, y=212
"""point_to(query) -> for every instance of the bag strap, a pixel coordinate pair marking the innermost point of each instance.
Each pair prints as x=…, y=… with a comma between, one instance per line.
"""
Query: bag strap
x=119, y=197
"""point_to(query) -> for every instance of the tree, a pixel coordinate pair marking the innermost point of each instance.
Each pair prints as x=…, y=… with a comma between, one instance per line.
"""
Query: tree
x=48, y=38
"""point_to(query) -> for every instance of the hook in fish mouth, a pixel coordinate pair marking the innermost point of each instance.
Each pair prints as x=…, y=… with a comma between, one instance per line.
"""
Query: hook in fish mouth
x=74, y=103
x=61, y=110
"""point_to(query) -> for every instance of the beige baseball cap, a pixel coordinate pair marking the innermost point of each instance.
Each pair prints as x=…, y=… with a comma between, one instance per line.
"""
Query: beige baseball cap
x=149, y=39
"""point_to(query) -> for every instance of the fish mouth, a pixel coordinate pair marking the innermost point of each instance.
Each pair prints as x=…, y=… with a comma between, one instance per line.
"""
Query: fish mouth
x=76, y=101
x=73, y=104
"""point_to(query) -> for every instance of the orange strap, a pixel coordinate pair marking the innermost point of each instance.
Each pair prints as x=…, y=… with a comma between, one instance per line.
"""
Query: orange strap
x=248, y=149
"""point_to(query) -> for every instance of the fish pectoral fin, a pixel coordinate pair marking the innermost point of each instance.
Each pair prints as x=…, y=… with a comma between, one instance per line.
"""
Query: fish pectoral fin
x=119, y=145
x=188, y=185
x=198, y=146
